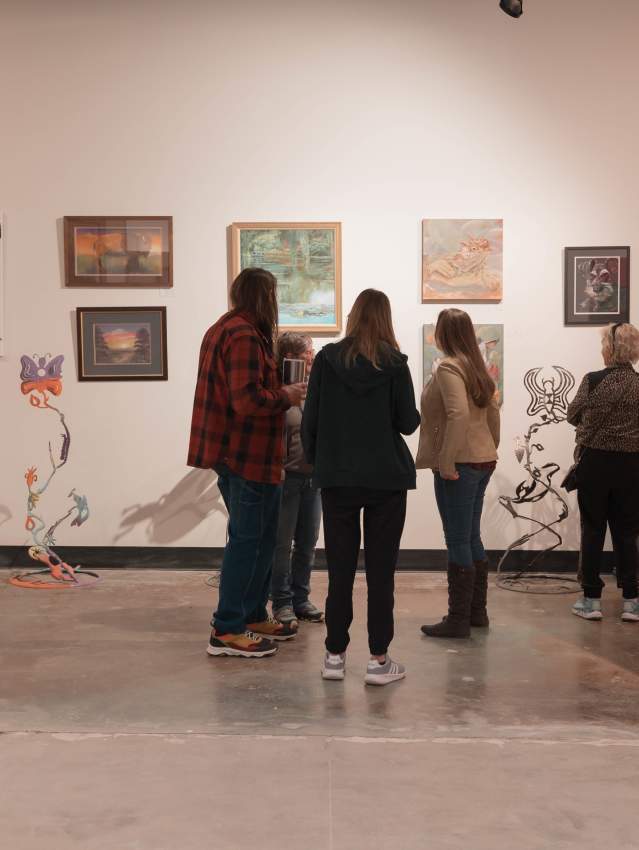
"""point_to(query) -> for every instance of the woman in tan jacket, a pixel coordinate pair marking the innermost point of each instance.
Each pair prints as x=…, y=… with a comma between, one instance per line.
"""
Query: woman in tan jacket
x=458, y=441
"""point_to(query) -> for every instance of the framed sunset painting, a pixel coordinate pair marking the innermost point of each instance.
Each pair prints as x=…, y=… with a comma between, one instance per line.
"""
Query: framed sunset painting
x=462, y=259
x=117, y=251
x=122, y=343
x=306, y=259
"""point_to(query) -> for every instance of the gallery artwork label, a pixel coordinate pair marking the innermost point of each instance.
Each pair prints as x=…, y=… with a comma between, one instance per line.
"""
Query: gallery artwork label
x=462, y=259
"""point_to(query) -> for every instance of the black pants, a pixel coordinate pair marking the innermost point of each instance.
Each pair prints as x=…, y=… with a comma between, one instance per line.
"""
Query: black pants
x=609, y=495
x=384, y=516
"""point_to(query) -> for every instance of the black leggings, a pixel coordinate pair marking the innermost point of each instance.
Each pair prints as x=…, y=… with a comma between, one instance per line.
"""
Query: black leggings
x=384, y=516
x=609, y=495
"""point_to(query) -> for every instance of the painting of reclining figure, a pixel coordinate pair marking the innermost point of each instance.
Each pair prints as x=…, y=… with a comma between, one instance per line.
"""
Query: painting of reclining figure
x=462, y=259
x=305, y=259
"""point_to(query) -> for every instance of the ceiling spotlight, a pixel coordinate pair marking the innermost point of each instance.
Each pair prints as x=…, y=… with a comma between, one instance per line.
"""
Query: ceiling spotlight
x=514, y=8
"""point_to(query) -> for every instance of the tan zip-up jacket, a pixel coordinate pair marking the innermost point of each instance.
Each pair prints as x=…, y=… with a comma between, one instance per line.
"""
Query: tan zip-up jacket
x=454, y=430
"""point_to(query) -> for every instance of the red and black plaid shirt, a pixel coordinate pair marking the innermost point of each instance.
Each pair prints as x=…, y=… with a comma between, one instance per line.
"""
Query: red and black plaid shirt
x=238, y=412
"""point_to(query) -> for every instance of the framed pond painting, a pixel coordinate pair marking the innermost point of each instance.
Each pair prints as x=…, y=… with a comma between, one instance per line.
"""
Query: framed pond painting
x=597, y=285
x=121, y=343
x=491, y=344
x=118, y=251
x=306, y=259
x=462, y=259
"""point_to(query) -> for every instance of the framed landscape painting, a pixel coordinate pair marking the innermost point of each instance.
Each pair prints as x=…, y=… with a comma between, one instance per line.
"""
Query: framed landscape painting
x=462, y=259
x=119, y=251
x=597, y=285
x=122, y=343
x=491, y=344
x=306, y=259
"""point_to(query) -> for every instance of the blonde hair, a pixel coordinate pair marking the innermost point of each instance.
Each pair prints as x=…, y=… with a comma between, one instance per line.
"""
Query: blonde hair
x=456, y=337
x=620, y=344
x=369, y=330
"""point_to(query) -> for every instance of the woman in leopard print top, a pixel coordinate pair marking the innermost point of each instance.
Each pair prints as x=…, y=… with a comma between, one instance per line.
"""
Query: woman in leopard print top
x=606, y=413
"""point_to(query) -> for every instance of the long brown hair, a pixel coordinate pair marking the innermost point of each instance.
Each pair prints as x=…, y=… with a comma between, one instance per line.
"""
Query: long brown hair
x=369, y=330
x=456, y=337
x=254, y=293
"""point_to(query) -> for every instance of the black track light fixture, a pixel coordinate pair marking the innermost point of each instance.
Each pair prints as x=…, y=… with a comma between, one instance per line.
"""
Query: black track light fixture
x=514, y=8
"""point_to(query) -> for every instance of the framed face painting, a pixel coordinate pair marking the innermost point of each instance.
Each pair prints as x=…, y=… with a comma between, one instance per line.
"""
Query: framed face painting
x=596, y=285
x=306, y=259
x=117, y=251
x=462, y=259
x=491, y=344
x=122, y=343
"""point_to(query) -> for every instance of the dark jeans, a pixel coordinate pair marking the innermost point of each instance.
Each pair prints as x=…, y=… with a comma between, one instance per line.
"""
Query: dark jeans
x=384, y=515
x=608, y=494
x=460, y=504
x=245, y=578
x=300, y=515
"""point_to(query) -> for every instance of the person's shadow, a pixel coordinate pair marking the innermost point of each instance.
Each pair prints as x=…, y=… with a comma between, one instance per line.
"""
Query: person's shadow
x=177, y=512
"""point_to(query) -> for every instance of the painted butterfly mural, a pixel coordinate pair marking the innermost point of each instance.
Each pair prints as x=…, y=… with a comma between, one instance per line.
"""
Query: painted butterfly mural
x=40, y=378
x=41, y=375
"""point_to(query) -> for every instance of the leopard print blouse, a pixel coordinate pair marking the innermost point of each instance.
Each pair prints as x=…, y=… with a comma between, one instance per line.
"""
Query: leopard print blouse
x=606, y=410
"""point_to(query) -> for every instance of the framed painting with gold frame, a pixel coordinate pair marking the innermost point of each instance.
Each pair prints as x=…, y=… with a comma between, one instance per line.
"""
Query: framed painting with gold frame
x=306, y=259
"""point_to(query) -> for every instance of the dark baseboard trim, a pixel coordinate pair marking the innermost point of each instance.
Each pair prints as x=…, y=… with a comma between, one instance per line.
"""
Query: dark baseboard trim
x=210, y=558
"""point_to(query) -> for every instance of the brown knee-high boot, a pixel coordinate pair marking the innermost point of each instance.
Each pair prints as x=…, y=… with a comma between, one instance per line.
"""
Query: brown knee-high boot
x=461, y=583
x=478, y=612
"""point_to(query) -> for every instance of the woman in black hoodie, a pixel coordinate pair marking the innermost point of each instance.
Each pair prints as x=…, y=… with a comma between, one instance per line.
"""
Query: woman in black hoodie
x=360, y=401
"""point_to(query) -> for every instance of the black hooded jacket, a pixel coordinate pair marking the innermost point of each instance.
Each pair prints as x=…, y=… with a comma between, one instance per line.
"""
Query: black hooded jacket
x=353, y=421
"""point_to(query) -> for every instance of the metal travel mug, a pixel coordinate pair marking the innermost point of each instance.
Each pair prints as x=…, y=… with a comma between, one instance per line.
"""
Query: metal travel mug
x=293, y=371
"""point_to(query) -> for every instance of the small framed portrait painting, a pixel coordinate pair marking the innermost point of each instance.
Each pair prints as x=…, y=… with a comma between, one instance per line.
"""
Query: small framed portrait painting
x=597, y=285
x=122, y=343
x=118, y=251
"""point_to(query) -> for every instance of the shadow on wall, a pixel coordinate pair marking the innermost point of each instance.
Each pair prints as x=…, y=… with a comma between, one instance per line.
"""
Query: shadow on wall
x=5, y=514
x=178, y=512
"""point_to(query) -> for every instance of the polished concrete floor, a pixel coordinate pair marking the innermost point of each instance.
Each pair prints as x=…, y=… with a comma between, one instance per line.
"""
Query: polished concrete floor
x=118, y=732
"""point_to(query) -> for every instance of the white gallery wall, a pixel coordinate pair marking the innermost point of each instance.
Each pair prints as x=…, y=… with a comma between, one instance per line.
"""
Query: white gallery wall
x=374, y=114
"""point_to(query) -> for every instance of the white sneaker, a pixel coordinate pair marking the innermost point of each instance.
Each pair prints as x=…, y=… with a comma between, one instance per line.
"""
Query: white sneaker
x=630, y=610
x=588, y=609
x=334, y=666
x=384, y=674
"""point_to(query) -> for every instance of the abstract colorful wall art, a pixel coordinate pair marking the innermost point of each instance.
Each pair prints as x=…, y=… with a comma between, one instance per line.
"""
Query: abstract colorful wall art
x=462, y=259
x=40, y=379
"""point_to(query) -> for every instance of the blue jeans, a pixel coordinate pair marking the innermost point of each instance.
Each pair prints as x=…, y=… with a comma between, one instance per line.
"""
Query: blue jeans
x=460, y=505
x=245, y=577
x=298, y=530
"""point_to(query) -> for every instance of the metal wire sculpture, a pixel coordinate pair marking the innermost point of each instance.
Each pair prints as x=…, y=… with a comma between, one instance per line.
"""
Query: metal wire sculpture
x=549, y=402
x=41, y=378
